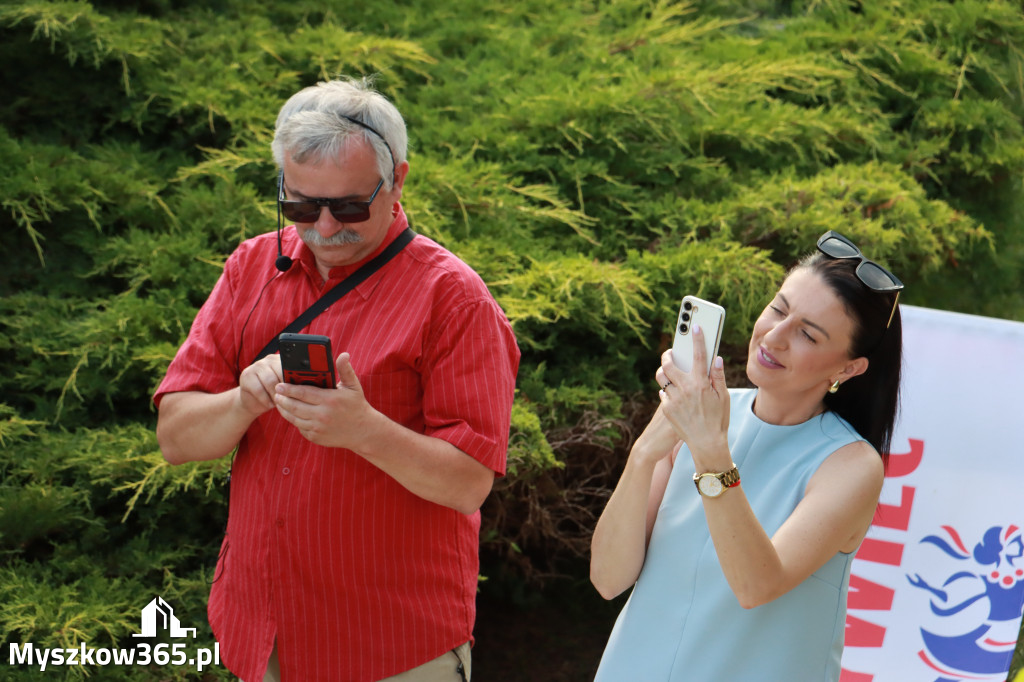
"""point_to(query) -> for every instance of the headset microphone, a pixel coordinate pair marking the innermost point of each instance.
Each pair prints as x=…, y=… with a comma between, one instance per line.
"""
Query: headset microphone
x=283, y=262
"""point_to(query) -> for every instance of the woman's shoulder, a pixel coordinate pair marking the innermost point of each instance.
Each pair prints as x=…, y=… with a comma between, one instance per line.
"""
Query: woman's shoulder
x=858, y=450
x=854, y=466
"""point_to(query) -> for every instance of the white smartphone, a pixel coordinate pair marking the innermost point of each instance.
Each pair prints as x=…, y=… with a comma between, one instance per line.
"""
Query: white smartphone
x=711, y=319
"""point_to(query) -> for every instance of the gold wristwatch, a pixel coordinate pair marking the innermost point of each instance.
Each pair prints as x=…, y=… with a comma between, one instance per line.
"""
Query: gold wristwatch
x=713, y=485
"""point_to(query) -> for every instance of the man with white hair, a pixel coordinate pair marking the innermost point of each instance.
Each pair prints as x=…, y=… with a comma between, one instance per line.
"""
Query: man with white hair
x=351, y=550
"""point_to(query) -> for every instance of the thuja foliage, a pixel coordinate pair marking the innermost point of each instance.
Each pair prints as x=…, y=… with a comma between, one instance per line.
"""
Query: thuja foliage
x=594, y=161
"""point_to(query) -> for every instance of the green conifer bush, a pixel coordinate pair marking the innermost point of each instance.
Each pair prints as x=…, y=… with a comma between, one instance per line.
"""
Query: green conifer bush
x=593, y=161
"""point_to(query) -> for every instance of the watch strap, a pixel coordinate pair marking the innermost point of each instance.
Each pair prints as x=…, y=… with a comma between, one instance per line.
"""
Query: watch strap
x=728, y=479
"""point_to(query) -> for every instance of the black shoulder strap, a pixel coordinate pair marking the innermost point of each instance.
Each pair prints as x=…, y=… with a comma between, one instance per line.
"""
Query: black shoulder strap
x=340, y=289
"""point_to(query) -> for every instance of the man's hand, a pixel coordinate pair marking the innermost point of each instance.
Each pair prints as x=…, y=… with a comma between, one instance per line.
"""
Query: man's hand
x=196, y=426
x=333, y=417
x=341, y=417
x=256, y=384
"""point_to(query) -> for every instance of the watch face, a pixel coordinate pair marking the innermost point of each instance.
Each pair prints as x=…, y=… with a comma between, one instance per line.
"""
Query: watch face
x=710, y=486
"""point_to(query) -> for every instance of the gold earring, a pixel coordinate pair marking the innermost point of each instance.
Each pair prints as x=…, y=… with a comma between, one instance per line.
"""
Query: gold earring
x=834, y=387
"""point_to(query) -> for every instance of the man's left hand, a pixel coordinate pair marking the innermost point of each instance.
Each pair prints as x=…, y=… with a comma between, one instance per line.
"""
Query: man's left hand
x=333, y=417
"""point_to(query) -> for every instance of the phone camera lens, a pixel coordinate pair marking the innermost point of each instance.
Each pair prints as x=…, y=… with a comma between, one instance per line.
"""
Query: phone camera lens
x=683, y=329
x=687, y=305
x=686, y=317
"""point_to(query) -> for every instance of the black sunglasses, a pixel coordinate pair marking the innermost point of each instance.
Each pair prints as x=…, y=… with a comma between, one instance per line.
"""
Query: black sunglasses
x=308, y=210
x=870, y=273
x=343, y=210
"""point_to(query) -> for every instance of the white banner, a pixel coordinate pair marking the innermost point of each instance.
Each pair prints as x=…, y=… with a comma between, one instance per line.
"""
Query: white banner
x=937, y=588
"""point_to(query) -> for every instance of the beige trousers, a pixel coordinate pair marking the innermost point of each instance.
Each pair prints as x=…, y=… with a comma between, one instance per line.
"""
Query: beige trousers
x=444, y=668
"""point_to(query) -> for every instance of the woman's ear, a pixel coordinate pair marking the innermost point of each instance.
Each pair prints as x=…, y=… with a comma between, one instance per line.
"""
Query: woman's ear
x=853, y=368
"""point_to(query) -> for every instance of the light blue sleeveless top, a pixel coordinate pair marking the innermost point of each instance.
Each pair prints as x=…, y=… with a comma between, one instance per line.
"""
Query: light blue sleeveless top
x=682, y=622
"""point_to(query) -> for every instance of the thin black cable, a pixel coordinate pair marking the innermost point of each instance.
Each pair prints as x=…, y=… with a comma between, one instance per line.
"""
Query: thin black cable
x=231, y=466
x=241, y=335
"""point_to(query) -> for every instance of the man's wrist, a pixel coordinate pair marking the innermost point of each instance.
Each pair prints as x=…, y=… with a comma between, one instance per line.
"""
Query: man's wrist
x=375, y=434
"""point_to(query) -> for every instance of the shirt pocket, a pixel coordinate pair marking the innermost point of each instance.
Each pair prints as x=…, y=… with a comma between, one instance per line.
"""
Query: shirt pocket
x=398, y=394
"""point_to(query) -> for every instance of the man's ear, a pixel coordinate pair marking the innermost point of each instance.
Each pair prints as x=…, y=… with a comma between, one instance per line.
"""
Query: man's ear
x=401, y=171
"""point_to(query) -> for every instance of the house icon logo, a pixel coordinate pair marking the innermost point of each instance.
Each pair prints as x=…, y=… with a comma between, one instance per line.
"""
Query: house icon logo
x=158, y=615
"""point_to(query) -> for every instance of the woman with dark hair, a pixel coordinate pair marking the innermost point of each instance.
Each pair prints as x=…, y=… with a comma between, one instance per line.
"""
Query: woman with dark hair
x=748, y=581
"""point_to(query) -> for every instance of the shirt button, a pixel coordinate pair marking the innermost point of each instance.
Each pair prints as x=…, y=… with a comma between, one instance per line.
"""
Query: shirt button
x=286, y=471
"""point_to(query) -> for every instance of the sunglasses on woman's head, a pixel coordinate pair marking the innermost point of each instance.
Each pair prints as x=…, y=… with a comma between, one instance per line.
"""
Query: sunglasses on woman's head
x=870, y=273
x=308, y=210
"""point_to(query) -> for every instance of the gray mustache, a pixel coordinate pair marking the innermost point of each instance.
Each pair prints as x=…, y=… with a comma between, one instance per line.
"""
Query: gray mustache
x=346, y=236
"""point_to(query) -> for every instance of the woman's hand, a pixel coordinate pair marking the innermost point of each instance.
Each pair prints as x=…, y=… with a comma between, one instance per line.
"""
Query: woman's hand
x=697, y=406
x=658, y=440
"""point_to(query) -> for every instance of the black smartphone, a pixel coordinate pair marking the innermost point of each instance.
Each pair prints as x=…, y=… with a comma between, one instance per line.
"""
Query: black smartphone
x=307, y=359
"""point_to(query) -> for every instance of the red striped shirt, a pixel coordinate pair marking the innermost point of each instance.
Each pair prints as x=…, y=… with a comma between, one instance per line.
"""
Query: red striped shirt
x=356, y=577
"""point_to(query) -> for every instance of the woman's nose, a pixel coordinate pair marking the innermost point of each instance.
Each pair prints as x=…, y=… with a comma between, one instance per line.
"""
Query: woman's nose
x=775, y=337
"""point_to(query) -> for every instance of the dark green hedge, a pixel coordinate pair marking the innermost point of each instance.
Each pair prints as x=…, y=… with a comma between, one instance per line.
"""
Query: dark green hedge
x=593, y=160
